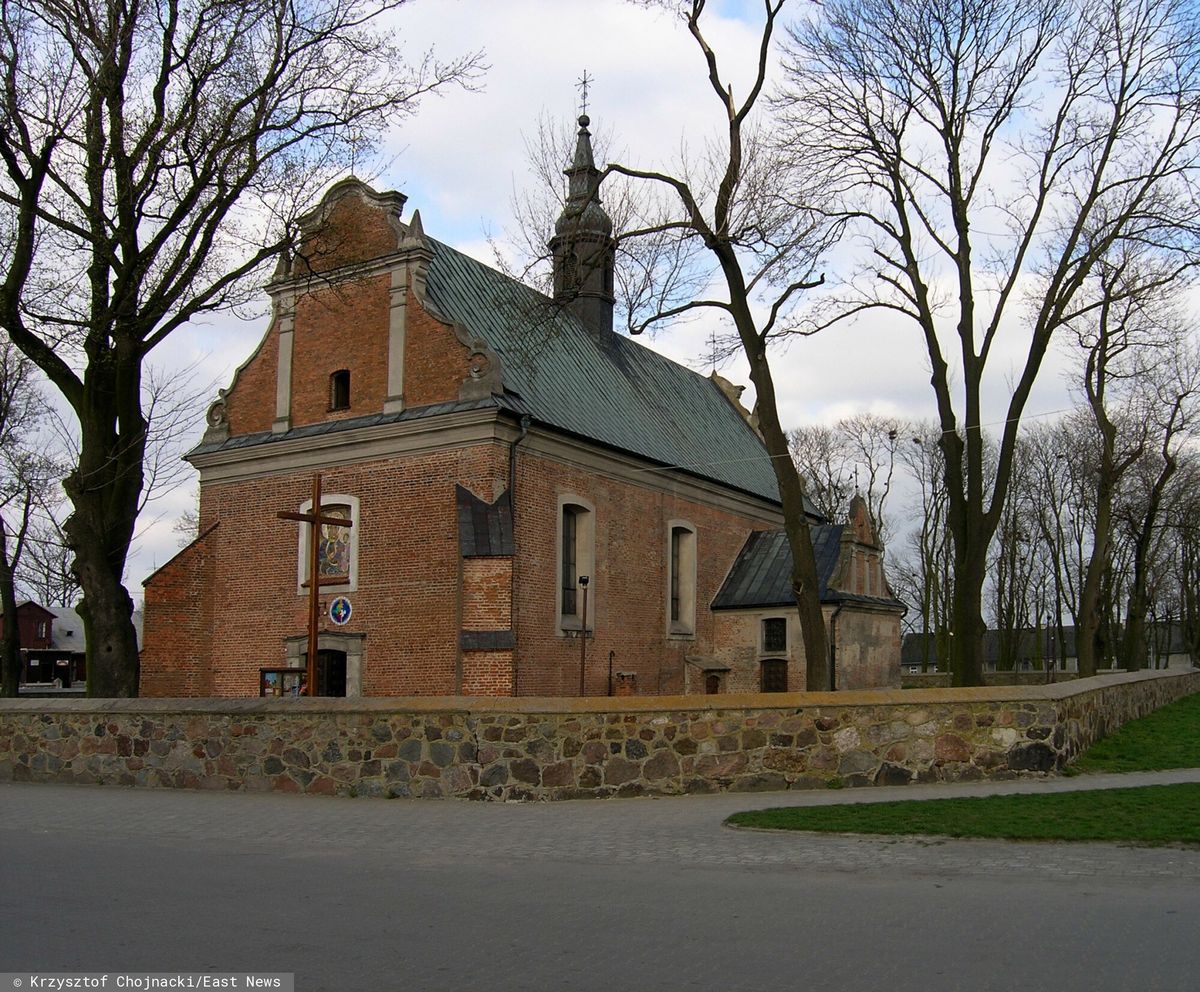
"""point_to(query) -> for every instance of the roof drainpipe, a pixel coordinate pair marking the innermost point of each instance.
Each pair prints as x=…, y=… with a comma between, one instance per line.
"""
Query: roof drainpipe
x=833, y=646
x=512, y=502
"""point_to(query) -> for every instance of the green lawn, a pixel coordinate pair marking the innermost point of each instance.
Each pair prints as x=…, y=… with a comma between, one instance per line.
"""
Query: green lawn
x=1161, y=814
x=1167, y=738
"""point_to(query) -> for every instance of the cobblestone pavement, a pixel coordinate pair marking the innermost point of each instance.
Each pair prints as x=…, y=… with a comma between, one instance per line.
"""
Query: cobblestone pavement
x=685, y=830
x=643, y=893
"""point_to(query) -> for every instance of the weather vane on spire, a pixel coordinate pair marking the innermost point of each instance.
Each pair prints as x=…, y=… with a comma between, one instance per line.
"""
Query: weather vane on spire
x=583, y=88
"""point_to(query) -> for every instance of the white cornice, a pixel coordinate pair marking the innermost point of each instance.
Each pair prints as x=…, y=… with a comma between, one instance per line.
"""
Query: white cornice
x=349, y=447
x=452, y=430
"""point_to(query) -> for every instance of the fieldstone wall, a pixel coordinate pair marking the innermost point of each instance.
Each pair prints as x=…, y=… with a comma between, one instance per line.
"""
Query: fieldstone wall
x=503, y=749
x=941, y=680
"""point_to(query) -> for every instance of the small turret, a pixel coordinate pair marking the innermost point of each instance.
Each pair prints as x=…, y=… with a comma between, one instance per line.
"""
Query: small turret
x=583, y=246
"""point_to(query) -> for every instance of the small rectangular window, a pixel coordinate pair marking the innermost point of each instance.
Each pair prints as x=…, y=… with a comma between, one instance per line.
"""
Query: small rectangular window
x=775, y=634
x=339, y=390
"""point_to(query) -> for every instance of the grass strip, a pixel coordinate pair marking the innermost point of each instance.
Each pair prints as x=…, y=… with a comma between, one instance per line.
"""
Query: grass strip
x=1159, y=814
x=1167, y=738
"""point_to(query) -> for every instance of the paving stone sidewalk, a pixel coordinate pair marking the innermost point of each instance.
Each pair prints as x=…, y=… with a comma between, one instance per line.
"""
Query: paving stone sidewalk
x=686, y=830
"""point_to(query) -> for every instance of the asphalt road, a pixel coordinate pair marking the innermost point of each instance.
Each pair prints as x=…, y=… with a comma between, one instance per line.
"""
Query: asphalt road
x=633, y=894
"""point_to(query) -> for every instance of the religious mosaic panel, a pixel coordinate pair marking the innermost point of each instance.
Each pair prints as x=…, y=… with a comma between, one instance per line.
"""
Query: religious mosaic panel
x=333, y=551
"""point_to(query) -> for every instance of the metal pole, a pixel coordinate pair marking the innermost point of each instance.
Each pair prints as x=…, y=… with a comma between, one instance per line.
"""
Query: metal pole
x=583, y=581
x=314, y=587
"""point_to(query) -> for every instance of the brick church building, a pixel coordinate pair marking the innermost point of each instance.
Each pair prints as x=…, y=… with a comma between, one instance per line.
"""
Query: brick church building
x=489, y=448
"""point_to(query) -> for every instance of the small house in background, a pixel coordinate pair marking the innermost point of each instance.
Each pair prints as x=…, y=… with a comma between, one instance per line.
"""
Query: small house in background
x=52, y=646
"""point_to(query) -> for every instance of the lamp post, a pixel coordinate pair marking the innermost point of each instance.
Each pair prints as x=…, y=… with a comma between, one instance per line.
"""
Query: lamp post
x=583, y=583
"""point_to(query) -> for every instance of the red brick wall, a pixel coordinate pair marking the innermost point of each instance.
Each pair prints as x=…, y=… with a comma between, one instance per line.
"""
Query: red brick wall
x=487, y=594
x=340, y=327
x=346, y=326
x=407, y=601
x=250, y=402
x=176, y=637
x=353, y=232
x=487, y=673
x=435, y=361
x=627, y=609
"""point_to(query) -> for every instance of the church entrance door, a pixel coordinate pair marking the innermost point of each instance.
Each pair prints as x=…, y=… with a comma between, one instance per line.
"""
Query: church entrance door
x=331, y=673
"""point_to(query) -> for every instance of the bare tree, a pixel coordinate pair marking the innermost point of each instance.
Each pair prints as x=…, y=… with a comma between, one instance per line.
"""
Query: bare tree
x=743, y=221
x=26, y=475
x=925, y=571
x=855, y=455
x=1134, y=326
x=989, y=155
x=154, y=154
x=1059, y=497
x=1012, y=566
x=1172, y=422
x=819, y=451
x=45, y=572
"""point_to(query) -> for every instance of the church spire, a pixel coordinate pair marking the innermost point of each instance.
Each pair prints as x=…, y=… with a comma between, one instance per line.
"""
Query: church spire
x=583, y=246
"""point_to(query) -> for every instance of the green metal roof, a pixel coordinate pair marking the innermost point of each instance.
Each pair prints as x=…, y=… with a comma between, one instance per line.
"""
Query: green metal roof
x=762, y=574
x=599, y=385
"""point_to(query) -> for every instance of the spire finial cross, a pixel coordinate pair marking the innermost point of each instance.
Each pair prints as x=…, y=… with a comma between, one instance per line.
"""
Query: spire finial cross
x=584, y=80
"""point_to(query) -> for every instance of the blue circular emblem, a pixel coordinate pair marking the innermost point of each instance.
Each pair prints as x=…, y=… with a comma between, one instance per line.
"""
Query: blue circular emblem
x=340, y=611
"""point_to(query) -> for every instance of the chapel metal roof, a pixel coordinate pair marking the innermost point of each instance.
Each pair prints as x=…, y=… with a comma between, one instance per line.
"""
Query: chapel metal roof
x=762, y=574
x=600, y=385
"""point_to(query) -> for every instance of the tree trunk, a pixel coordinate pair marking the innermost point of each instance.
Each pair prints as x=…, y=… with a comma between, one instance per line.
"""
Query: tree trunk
x=1088, y=623
x=970, y=536
x=967, y=645
x=107, y=612
x=10, y=642
x=805, y=583
x=105, y=490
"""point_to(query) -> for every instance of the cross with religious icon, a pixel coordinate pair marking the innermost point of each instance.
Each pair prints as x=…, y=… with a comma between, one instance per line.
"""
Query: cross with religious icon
x=315, y=520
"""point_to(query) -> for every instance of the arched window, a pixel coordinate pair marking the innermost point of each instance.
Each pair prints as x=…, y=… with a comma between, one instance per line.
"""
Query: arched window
x=712, y=684
x=576, y=556
x=339, y=390
x=681, y=578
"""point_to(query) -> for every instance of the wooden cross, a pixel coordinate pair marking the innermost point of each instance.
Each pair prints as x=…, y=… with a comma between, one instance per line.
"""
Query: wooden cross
x=315, y=520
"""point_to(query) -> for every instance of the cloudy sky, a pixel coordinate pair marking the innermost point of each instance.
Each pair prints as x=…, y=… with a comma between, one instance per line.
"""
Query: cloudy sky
x=460, y=160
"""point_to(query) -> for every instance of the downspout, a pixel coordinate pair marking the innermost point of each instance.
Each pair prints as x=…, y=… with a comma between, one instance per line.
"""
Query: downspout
x=833, y=646
x=512, y=501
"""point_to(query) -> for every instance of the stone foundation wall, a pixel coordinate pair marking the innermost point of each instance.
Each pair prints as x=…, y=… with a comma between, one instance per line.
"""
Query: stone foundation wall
x=501, y=749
